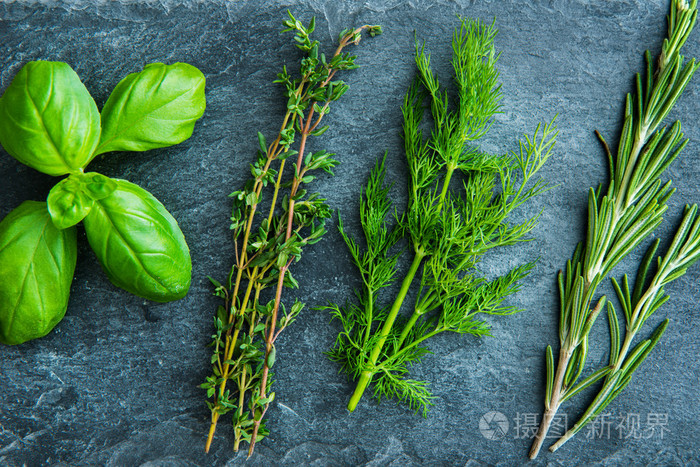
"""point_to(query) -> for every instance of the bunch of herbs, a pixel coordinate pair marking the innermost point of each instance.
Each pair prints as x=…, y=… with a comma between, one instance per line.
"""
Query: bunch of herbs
x=619, y=219
x=266, y=243
x=459, y=203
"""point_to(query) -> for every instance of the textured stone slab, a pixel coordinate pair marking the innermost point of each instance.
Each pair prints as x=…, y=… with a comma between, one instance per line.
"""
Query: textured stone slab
x=116, y=382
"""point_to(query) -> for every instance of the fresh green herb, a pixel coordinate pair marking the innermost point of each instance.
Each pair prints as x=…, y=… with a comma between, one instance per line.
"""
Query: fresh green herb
x=266, y=243
x=448, y=229
x=38, y=261
x=139, y=244
x=49, y=121
x=618, y=221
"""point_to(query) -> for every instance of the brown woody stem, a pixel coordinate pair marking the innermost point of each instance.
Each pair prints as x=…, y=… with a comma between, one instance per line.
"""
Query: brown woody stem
x=550, y=412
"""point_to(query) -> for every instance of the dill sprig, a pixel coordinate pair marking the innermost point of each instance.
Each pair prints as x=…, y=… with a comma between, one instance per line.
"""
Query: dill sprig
x=448, y=225
x=618, y=221
x=267, y=243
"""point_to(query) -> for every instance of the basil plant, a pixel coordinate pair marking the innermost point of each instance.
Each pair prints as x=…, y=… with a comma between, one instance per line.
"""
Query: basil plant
x=49, y=121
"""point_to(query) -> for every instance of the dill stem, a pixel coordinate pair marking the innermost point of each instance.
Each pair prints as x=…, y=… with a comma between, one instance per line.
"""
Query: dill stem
x=366, y=375
x=417, y=312
x=414, y=343
x=407, y=328
x=446, y=184
x=370, y=315
x=564, y=357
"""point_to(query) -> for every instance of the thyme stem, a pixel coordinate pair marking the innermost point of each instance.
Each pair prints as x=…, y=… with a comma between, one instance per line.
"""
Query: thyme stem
x=247, y=328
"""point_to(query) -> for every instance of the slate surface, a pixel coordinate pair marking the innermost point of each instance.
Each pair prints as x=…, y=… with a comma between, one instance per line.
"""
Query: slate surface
x=116, y=382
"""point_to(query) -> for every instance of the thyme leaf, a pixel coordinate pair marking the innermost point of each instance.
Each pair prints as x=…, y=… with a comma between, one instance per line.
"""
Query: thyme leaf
x=267, y=242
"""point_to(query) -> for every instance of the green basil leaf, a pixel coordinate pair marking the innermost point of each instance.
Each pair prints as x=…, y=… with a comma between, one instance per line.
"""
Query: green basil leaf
x=154, y=108
x=139, y=244
x=98, y=186
x=68, y=202
x=38, y=262
x=71, y=199
x=48, y=120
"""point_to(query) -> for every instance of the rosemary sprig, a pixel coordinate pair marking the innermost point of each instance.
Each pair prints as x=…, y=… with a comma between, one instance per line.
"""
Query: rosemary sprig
x=448, y=230
x=618, y=221
x=247, y=324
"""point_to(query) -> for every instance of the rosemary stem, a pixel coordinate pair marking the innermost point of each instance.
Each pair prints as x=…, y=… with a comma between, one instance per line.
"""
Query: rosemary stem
x=366, y=375
x=624, y=198
x=568, y=435
x=564, y=357
x=608, y=387
x=610, y=381
x=623, y=351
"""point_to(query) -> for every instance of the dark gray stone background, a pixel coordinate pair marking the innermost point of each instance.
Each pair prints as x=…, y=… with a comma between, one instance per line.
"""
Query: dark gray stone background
x=116, y=382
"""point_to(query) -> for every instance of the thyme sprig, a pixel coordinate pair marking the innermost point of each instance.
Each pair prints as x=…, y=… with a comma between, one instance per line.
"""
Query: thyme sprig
x=266, y=244
x=448, y=230
x=618, y=221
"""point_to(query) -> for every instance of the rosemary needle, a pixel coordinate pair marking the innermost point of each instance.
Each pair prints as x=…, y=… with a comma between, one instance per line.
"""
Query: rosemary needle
x=619, y=219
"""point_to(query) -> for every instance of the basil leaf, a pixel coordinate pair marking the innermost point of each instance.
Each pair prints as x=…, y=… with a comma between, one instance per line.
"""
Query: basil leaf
x=48, y=120
x=71, y=199
x=98, y=186
x=38, y=262
x=68, y=203
x=139, y=244
x=155, y=108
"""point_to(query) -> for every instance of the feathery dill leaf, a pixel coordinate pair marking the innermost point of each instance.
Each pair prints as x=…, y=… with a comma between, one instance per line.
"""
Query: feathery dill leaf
x=448, y=225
